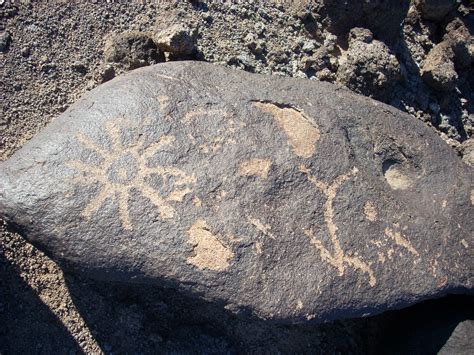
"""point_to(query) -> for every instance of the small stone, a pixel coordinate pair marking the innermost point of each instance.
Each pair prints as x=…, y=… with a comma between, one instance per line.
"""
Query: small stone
x=326, y=75
x=177, y=39
x=361, y=34
x=256, y=46
x=25, y=52
x=259, y=28
x=467, y=151
x=79, y=67
x=459, y=38
x=5, y=40
x=107, y=73
x=309, y=46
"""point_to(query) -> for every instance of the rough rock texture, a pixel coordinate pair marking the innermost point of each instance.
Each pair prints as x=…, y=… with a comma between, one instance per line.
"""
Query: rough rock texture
x=5, y=40
x=285, y=199
x=459, y=35
x=460, y=342
x=435, y=10
x=467, y=151
x=368, y=67
x=381, y=17
x=438, y=68
x=176, y=39
x=133, y=49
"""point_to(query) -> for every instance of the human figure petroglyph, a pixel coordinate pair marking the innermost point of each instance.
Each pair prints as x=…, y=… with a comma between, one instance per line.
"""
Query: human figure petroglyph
x=125, y=168
x=339, y=258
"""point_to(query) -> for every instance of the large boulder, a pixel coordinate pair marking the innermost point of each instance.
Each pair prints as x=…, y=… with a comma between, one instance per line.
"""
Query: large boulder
x=283, y=198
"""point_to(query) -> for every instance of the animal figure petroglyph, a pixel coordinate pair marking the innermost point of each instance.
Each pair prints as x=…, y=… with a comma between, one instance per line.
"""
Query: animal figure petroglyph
x=339, y=259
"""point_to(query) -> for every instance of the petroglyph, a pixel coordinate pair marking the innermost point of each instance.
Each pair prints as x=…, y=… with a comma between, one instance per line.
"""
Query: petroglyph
x=397, y=179
x=401, y=240
x=203, y=111
x=338, y=259
x=211, y=253
x=255, y=167
x=166, y=77
x=369, y=211
x=302, y=133
x=125, y=168
x=264, y=228
x=214, y=140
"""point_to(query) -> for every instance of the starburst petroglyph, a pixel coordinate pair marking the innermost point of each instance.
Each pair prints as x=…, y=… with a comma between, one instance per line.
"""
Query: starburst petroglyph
x=339, y=259
x=125, y=168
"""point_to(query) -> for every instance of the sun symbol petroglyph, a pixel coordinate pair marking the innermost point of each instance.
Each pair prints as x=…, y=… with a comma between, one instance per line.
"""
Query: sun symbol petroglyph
x=338, y=259
x=125, y=168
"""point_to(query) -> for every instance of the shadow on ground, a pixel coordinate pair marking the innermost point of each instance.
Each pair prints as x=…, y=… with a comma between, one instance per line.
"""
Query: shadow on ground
x=147, y=319
x=27, y=325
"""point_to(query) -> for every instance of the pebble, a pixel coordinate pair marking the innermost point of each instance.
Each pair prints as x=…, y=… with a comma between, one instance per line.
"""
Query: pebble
x=309, y=46
x=5, y=40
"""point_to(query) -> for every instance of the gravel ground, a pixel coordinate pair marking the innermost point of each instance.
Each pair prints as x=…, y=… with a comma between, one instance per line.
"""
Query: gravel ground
x=53, y=52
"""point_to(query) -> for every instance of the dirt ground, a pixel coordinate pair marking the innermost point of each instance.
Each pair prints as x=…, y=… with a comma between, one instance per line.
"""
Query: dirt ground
x=53, y=52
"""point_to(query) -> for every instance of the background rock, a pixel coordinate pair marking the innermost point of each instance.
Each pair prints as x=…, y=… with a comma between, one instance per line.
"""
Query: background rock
x=132, y=49
x=438, y=68
x=5, y=40
x=435, y=10
x=176, y=39
x=368, y=67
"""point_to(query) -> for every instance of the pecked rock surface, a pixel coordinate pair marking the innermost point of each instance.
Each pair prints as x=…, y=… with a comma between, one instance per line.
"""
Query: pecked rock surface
x=282, y=198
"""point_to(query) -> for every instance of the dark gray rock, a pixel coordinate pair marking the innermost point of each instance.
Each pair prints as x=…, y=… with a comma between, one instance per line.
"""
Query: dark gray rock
x=383, y=18
x=438, y=69
x=132, y=50
x=461, y=340
x=5, y=40
x=460, y=39
x=368, y=67
x=288, y=199
x=435, y=10
x=177, y=39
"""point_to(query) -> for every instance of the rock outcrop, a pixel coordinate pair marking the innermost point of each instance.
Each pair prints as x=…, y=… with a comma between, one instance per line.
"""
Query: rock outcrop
x=288, y=199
